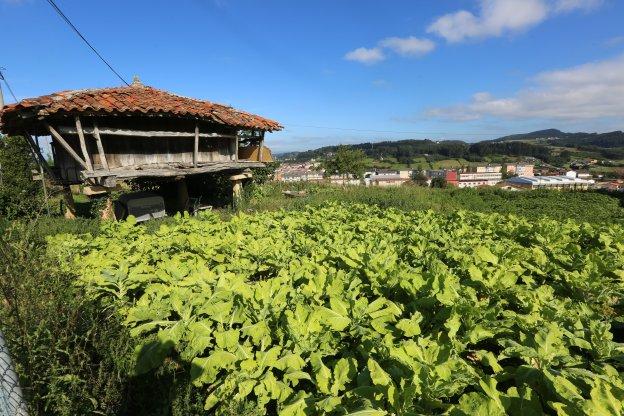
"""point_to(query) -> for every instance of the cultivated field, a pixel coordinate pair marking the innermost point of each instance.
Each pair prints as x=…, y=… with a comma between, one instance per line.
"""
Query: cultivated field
x=353, y=309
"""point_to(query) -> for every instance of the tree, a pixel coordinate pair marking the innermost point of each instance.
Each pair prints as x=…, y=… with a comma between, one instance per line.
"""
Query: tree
x=418, y=177
x=265, y=174
x=438, y=183
x=346, y=161
x=19, y=194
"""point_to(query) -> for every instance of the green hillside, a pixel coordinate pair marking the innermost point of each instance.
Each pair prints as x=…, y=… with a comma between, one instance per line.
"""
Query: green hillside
x=550, y=146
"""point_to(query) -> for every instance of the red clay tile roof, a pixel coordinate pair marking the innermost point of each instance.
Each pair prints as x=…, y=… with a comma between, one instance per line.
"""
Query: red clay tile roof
x=138, y=98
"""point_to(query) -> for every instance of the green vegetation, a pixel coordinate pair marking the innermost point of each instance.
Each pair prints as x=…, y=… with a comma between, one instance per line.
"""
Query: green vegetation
x=450, y=164
x=591, y=207
x=346, y=162
x=355, y=309
x=78, y=350
x=19, y=195
x=454, y=153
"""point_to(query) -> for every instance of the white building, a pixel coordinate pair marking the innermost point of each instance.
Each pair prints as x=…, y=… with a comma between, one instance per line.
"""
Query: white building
x=489, y=169
x=521, y=169
x=474, y=180
x=298, y=172
x=550, y=182
x=301, y=176
x=387, y=178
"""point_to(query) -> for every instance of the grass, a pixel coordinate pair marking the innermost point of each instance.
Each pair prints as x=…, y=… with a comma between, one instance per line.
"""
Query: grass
x=450, y=163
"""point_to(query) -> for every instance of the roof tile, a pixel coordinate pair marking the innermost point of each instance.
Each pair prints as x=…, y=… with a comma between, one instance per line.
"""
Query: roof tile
x=138, y=98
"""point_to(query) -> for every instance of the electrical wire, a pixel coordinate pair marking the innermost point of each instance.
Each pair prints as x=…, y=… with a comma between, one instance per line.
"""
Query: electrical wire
x=2, y=77
x=75, y=29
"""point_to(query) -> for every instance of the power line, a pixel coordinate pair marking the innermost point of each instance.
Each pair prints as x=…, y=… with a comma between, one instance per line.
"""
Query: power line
x=75, y=29
x=7, y=84
x=394, y=131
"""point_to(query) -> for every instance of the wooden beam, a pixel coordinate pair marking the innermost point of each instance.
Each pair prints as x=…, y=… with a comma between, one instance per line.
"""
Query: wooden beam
x=100, y=147
x=196, y=146
x=34, y=147
x=83, y=144
x=141, y=133
x=156, y=172
x=65, y=145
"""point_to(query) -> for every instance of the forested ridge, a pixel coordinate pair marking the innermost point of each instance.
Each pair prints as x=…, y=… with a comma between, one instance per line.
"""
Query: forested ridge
x=607, y=145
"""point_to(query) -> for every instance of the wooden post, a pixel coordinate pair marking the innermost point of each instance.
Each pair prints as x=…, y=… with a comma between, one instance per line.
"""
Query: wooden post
x=196, y=146
x=83, y=144
x=66, y=145
x=261, y=147
x=70, y=209
x=232, y=149
x=182, y=196
x=43, y=181
x=38, y=156
x=100, y=147
x=236, y=149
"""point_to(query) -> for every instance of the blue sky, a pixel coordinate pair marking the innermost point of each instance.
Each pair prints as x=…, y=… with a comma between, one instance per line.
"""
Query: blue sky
x=343, y=71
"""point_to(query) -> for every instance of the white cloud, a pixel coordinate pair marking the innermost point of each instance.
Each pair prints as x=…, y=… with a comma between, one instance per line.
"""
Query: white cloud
x=496, y=17
x=589, y=91
x=368, y=56
x=499, y=17
x=570, y=5
x=614, y=41
x=410, y=46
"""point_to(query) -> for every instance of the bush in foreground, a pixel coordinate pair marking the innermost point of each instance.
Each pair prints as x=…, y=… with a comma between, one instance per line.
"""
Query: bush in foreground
x=348, y=308
x=73, y=356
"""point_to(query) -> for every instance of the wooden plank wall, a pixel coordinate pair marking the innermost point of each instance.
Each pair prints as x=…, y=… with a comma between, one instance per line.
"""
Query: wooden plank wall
x=68, y=167
x=125, y=151
x=128, y=151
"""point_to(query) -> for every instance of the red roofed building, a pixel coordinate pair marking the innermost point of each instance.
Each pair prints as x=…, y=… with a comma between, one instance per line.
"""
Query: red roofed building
x=103, y=135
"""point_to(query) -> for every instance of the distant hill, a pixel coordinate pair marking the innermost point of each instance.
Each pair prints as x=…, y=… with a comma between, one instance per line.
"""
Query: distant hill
x=553, y=136
x=543, y=144
x=540, y=134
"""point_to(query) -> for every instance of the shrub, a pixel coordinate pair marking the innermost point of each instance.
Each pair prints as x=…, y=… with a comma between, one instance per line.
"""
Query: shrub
x=73, y=356
x=19, y=194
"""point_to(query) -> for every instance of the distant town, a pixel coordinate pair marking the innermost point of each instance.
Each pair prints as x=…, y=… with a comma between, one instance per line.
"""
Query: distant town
x=511, y=176
x=544, y=159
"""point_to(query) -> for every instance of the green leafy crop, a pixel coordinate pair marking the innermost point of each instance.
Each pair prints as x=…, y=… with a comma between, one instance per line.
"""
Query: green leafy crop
x=358, y=310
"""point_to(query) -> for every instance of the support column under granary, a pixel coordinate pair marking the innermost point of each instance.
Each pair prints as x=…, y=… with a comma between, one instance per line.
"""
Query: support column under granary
x=108, y=212
x=181, y=195
x=237, y=185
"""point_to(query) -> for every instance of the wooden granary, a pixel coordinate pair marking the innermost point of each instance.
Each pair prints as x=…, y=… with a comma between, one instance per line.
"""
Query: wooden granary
x=102, y=136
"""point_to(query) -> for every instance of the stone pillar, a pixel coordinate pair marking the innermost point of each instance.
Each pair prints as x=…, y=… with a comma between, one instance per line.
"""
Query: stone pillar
x=237, y=186
x=108, y=213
